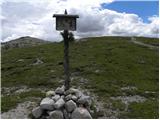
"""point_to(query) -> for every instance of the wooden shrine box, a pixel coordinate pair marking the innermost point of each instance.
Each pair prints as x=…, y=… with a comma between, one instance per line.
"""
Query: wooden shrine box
x=65, y=21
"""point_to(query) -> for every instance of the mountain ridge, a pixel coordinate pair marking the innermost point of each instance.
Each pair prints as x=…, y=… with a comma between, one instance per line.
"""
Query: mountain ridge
x=25, y=41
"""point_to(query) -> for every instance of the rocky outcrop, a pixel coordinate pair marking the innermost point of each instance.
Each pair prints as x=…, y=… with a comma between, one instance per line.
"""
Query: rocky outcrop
x=61, y=104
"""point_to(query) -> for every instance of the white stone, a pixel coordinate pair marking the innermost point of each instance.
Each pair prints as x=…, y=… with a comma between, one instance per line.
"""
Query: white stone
x=47, y=104
x=70, y=106
x=56, y=97
x=50, y=93
x=81, y=113
x=37, y=112
x=56, y=114
x=60, y=103
x=60, y=90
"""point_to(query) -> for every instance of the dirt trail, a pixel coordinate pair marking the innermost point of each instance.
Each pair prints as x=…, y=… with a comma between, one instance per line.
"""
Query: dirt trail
x=143, y=44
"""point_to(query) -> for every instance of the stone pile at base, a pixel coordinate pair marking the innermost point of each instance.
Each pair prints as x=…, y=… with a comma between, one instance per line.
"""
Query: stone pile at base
x=61, y=104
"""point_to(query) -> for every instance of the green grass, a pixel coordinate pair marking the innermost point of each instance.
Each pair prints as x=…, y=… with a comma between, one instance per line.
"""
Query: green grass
x=146, y=110
x=24, y=73
x=11, y=101
x=118, y=105
x=151, y=41
x=120, y=63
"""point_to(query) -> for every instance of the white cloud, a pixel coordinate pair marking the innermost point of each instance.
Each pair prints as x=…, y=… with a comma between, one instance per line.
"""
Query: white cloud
x=34, y=18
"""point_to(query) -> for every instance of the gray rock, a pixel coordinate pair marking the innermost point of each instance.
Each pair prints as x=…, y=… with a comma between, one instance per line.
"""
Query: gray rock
x=70, y=106
x=74, y=98
x=37, y=62
x=60, y=90
x=68, y=97
x=47, y=104
x=78, y=94
x=85, y=100
x=50, y=93
x=37, y=112
x=71, y=91
x=81, y=113
x=75, y=92
x=56, y=114
x=56, y=97
x=62, y=96
x=66, y=114
x=60, y=103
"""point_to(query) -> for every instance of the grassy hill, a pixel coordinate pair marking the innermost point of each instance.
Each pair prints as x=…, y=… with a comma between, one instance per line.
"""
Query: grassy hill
x=109, y=67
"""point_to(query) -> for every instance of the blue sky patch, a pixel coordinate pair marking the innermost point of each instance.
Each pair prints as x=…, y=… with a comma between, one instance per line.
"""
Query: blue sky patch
x=143, y=9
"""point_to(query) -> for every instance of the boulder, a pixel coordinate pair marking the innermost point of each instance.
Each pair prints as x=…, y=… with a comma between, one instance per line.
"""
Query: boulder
x=81, y=113
x=85, y=100
x=70, y=106
x=37, y=112
x=50, y=93
x=56, y=114
x=60, y=103
x=60, y=90
x=56, y=97
x=47, y=104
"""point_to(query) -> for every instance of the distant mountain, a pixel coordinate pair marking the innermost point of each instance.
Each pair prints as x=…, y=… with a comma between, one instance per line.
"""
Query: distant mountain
x=23, y=42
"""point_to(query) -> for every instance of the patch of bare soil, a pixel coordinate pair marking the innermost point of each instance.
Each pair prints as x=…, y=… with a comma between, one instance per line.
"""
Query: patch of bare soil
x=20, y=112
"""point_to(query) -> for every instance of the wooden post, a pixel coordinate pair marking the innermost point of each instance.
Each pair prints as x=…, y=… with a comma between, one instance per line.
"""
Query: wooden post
x=66, y=59
x=66, y=22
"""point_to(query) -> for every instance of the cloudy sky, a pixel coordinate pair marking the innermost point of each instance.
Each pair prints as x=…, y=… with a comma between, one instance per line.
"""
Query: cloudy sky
x=97, y=18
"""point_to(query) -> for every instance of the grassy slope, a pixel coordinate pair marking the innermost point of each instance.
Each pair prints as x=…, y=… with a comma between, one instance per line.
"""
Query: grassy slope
x=151, y=41
x=118, y=61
